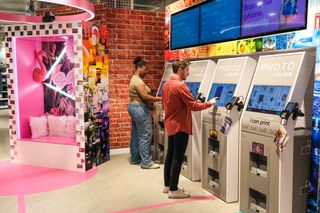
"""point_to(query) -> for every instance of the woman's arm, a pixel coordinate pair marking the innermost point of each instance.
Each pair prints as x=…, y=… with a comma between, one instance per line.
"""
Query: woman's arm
x=142, y=92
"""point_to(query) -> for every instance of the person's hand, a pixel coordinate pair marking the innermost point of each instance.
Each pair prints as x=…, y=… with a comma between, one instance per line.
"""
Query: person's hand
x=214, y=100
x=158, y=99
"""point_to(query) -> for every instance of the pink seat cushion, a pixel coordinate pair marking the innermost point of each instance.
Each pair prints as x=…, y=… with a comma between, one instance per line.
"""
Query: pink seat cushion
x=52, y=139
x=63, y=126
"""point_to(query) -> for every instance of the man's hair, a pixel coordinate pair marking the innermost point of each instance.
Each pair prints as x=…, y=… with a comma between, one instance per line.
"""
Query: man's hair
x=182, y=63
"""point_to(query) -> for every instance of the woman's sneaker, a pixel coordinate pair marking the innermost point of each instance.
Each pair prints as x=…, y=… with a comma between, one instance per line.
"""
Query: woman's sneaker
x=151, y=165
x=178, y=194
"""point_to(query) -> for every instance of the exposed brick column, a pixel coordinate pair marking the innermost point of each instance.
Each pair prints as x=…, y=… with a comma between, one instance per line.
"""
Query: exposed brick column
x=131, y=33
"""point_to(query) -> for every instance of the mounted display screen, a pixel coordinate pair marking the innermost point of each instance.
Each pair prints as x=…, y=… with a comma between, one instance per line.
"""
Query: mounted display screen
x=160, y=89
x=185, y=29
x=223, y=91
x=268, y=99
x=219, y=20
x=268, y=16
x=193, y=87
x=214, y=21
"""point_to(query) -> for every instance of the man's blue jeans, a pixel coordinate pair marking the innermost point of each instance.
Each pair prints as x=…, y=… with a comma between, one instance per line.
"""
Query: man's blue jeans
x=141, y=133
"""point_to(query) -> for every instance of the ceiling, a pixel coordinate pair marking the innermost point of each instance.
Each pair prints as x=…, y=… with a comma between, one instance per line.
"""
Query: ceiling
x=28, y=7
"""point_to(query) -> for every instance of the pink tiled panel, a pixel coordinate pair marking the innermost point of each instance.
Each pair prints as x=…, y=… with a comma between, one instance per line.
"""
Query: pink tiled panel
x=35, y=32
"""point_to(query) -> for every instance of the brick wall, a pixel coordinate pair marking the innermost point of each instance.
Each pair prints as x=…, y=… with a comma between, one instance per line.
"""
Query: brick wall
x=131, y=33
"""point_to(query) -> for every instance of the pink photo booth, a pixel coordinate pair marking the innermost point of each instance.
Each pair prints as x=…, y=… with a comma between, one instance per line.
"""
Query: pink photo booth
x=78, y=141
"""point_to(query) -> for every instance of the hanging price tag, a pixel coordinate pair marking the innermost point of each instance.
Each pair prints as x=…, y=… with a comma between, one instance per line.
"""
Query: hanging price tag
x=226, y=124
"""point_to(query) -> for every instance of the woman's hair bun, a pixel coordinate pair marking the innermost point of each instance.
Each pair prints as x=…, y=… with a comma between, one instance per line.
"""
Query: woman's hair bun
x=137, y=60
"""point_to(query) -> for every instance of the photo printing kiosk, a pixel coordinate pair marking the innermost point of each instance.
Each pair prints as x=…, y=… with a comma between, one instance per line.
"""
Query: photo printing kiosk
x=220, y=171
x=199, y=71
x=274, y=180
x=160, y=136
x=198, y=83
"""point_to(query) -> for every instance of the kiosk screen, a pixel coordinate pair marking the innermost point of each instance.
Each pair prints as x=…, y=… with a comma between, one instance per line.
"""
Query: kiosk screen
x=160, y=90
x=223, y=91
x=268, y=99
x=193, y=87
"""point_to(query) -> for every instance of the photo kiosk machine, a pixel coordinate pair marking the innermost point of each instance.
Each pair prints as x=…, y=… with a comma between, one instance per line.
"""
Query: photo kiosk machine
x=220, y=171
x=160, y=136
x=199, y=83
x=273, y=179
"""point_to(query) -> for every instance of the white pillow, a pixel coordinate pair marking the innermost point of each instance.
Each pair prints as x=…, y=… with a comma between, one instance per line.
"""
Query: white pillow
x=70, y=130
x=57, y=125
x=39, y=126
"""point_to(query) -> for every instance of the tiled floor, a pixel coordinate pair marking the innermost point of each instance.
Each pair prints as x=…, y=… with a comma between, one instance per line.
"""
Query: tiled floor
x=117, y=187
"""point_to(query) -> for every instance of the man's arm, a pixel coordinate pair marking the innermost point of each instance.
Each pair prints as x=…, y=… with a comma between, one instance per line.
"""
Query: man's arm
x=187, y=98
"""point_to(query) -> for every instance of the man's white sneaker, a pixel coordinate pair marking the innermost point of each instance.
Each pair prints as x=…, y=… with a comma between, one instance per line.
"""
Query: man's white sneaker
x=151, y=165
x=166, y=189
x=178, y=194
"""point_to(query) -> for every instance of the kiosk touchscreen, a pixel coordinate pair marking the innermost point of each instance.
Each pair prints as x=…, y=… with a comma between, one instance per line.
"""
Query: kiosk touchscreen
x=159, y=135
x=230, y=84
x=275, y=140
x=198, y=82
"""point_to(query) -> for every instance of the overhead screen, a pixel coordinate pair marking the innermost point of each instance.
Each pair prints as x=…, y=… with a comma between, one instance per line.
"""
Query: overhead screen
x=215, y=21
x=219, y=20
x=185, y=30
x=268, y=99
x=269, y=16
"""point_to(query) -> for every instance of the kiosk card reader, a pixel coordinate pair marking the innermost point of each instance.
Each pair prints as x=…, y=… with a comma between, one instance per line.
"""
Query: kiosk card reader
x=230, y=83
x=198, y=83
x=274, y=174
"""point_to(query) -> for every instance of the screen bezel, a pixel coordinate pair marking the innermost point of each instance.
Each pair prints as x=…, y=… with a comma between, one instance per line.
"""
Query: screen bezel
x=256, y=36
x=271, y=112
x=192, y=82
x=159, y=92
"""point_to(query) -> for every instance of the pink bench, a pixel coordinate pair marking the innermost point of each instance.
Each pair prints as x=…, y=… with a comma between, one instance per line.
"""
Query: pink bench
x=52, y=139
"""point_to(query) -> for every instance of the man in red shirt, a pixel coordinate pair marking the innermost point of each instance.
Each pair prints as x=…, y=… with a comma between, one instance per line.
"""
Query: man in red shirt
x=177, y=103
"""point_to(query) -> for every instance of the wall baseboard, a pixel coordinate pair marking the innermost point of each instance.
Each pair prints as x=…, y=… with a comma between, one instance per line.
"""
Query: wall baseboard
x=119, y=151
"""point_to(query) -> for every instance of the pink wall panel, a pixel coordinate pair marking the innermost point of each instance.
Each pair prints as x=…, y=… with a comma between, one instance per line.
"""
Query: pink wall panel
x=29, y=95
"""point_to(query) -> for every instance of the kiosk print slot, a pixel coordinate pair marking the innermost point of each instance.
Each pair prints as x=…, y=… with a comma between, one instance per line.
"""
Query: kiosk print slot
x=258, y=164
x=213, y=177
x=257, y=202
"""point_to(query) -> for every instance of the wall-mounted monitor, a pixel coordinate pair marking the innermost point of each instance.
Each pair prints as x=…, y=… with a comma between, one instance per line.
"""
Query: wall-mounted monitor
x=160, y=89
x=223, y=91
x=185, y=29
x=219, y=21
x=193, y=87
x=267, y=16
x=214, y=21
x=268, y=99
